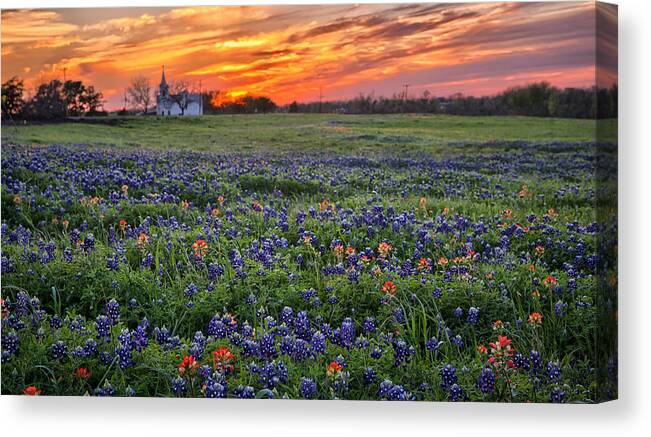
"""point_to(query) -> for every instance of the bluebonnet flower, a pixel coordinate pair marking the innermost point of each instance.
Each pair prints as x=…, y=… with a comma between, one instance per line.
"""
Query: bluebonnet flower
x=268, y=346
x=106, y=391
x=347, y=332
x=198, y=345
x=215, y=389
x=113, y=262
x=536, y=360
x=458, y=312
x=397, y=393
x=369, y=325
x=402, y=352
x=216, y=327
x=456, y=393
x=369, y=376
x=89, y=243
x=318, y=343
x=385, y=386
x=559, y=308
x=376, y=353
x=59, y=350
x=10, y=342
x=190, y=290
x=557, y=395
x=273, y=374
x=302, y=326
x=214, y=271
x=244, y=392
x=113, y=311
x=287, y=316
x=553, y=371
x=448, y=376
x=473, y=315
x=307, y=388
x=457, y=340
x=56, y=322
x=486, y=380
x=433, y=344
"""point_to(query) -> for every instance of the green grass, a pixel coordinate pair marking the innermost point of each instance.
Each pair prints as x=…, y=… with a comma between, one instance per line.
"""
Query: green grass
x=306, y=131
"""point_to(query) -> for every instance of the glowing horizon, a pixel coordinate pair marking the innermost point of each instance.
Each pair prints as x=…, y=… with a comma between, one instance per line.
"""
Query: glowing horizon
x=295, y=52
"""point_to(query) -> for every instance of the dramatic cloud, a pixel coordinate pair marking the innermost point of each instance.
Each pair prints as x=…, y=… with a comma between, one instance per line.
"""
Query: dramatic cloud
x=291, y=52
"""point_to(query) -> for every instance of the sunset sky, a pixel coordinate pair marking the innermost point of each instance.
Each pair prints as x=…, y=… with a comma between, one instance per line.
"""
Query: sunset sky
x=288, y=52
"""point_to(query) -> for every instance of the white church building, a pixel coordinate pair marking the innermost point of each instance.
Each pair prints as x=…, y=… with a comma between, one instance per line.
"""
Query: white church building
x=184, y=103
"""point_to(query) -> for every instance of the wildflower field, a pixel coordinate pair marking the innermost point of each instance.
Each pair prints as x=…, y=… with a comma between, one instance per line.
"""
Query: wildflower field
x=391, y=260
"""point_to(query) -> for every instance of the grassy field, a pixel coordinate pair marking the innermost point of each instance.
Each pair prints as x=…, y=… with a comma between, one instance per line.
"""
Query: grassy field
x=307, y=131
x=321, y=257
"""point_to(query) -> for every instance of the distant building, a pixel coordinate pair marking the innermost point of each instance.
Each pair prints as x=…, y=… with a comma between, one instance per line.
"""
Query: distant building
x=184, y=103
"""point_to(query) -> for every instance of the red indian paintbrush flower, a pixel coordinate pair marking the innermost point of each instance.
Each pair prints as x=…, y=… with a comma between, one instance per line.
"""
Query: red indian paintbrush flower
x=189, y=364
x=222, y=359
x=535, y=318
x=389, y=288
x=333, y=368
x=200, y=248
x=32, y=390
x=82, y=373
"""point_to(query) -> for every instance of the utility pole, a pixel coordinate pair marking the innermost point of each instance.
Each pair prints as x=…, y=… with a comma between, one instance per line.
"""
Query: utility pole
x=200, y=98
x=64, y=89
x=125, y=101
x=406, y=91
x=320, y=98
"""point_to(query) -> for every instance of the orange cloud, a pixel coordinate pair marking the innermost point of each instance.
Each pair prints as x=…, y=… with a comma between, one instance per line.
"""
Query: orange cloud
x=293, y=52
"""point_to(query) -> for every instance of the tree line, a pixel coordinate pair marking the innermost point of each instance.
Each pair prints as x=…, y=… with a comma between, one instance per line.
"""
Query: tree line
x=536, y=99
x=56, y=100
x=218, y=102
x=52, y=100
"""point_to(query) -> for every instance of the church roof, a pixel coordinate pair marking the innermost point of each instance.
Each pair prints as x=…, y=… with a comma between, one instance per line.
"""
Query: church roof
x=163, y=82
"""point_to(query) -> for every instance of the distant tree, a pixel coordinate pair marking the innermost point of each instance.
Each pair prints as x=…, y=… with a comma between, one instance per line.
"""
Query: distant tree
x=56, y=100
x=91, y=100
x=12, y=97
x=48, y=103
x=140, y=93
x=179, y=93
x=293, y=107
x=210, y=101
x=258, y=104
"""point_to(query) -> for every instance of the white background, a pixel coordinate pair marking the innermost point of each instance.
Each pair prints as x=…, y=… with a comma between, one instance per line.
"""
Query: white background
x=21, y=415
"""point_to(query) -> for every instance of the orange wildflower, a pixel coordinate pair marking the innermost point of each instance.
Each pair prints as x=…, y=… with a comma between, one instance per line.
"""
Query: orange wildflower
x=384, y=249
x=535, y=318
x=189, y=364
x=222, y=359
x=200, y=248
x=82, y=373
x=143, y=239
x=333, y=368
x=389, y=288
x=323, y=205
x=32, y=390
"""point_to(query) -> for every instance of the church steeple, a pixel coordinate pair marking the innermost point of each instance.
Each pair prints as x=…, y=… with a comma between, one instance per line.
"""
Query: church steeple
x=164, y=89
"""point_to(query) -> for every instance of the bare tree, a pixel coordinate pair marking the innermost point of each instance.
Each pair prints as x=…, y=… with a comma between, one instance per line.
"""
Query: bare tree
x=140, y=93
x=179, y=93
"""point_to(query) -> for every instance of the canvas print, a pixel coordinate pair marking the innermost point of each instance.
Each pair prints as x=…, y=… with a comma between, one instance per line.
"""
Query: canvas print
x=378, y=202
